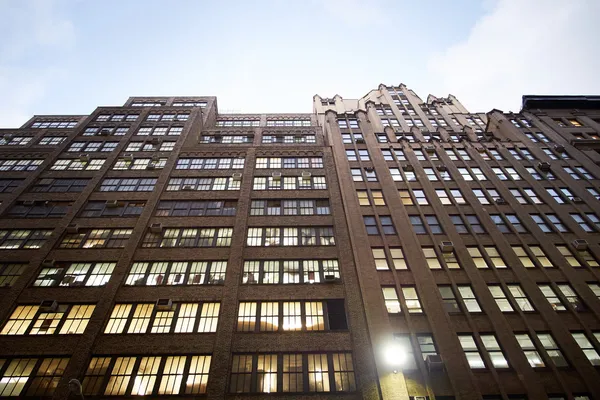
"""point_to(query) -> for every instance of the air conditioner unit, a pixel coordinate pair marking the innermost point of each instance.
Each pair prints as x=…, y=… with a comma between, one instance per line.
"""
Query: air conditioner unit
x=330, y=278
x=360, y=140
x=84, y=158
x=48, y=263
x=481, y=149
x=72, y=228
x=104, y=132
x=156, y=228
x=434, y=362
x=154, y=141
x=127, y=157
x=8, y=137
x=369, y=169
x=442, y=167
x=48, y=305
x=151, y=165
x=580, y=244
x=408, y=167
x=500, y=200
x=576, y=199
x=399, y=139
x=306, y=175
x=430, y=149
x=164, y=304
x=29, y=203
x=544, y=166
x=276, y=175
x=446, y=246
x=187, y=187
x=236, y=176
x=559, y=148
x=111, y=204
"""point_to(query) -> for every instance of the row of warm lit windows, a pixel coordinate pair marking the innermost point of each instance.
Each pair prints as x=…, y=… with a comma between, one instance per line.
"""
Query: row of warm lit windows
x=161, y=273
x=441, y=173
x=530, y=256
x=288, y=236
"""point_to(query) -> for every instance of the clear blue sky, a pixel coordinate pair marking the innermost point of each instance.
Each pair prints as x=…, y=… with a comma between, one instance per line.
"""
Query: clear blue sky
x=68, y=56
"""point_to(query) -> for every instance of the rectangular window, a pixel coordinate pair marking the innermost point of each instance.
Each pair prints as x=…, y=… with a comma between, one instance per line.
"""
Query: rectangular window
x=431, y=258
x=500, y=298
x=10, y=272
x=20, y=165
x=47, y=185
x=75, y=274
x=77, y=164
x=96, y=238
x=188, y=237
x=552, y=350
x=493, y=349
x=63, y=319
x=284, y=236
x=586, y=346
x=23, y=238
x=163, y=318
x=530, y=351
x=111, y=376
x=469, y=299
x=290, y=271
x=552, y=297
x=39, y=209
x=128, y=185
x=51, y=140
x=471, y=351
x=390, y=297
x=520, y=297
x=411, y=298
x=113, y=208
x=195, y=208
x=160, y=273
x=39, y=376
x=291, y=316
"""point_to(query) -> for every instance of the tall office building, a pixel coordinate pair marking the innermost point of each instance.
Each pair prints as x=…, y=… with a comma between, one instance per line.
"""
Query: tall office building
x=379, y=248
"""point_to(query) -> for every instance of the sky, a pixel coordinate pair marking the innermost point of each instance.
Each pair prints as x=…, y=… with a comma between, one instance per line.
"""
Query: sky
x=261, y=56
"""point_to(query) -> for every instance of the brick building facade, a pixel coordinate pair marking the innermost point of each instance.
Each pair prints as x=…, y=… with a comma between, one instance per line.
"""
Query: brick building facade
x=382, y=248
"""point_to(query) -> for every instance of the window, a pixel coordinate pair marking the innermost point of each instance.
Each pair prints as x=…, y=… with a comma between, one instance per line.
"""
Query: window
x=552, y=349
x=417, y=224
x=434, y=225
x=112, y=209
x=402, y=341
x=23, y=238
x=289, y=183
x=530, y=351
x=117, y=117
x=494, y=351
x=194, y=208
x=47, y=185
x=380, y=260
x=211, y=163
x=382, y=138
x=288, y=162
x=431, y=258
x=160, y=131
x=161, y=273
x=168, y=116
x=516, y=223
x=58, y=124
x=39, y=376
x=150, y=145
x=96, y=238
x=172, y=318
x=203, y=184
x=500, y=298
x=90, y=147
x=106, y=131
x=128, y=185
x=10, y=272
x=63, y=319
x=390, y=297
x=520, y=297
x=287, y=236
x=111, y=376
x=494, y=256
x=477, y=257
x=259, y=373
x=481, y=196
x=583, y=224
x=301, y=138
x=124, y=164
x=290, y=207
x=9, y=140
x=411, y=298
x=232, y=139
x=449, y=299
x=51, y=140
x=272, y=316
x=20, y=165
x=569, y=294
x=188, y=237
x=471, y=351
x=586, y=346
x=290, y=271
x=39, y=209
x=469, y=299
x=579, y=173
x=9, y=185
x=76, y=164
x=593, y=192
x=75, y=274
x=288, y=122
x=552, y=297
x=459, y=224
x=148, y=103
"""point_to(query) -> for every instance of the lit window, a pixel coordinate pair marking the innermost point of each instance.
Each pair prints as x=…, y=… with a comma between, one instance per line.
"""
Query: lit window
x=36, y=320
x=40, y=376
x=552, y=297
x=530, y=351
x=471, y=351
x=552, y=349
x=500, y=298
x=10, y=272
x=390, y=296
x=586, y=346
